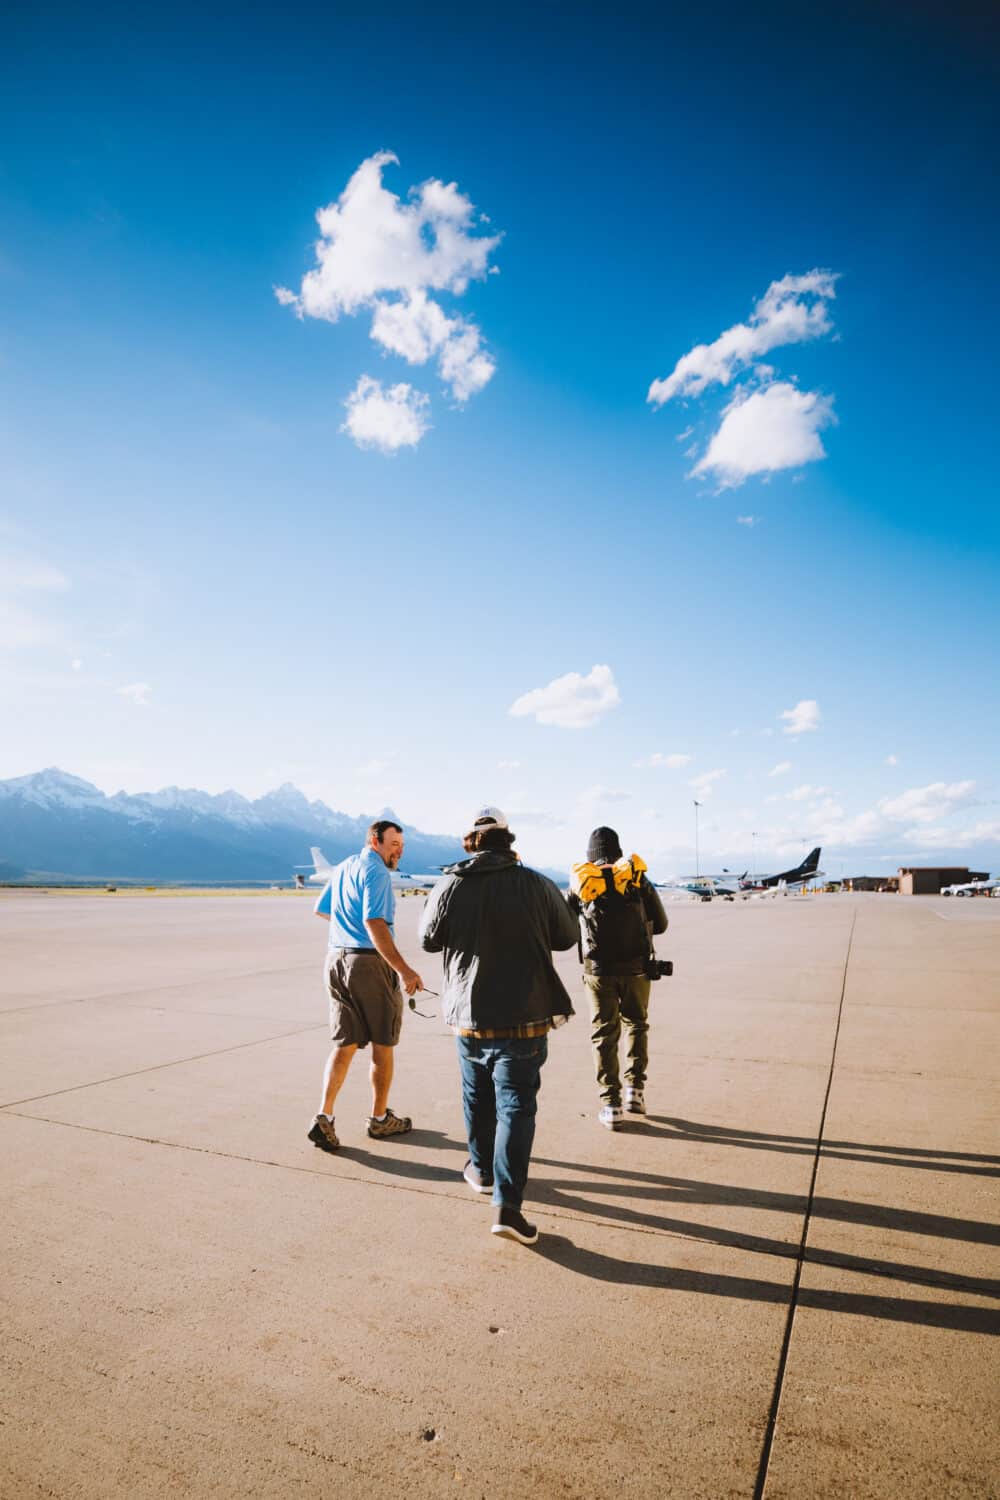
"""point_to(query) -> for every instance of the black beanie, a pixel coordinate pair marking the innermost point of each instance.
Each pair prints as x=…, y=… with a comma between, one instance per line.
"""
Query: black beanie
x=603, y=847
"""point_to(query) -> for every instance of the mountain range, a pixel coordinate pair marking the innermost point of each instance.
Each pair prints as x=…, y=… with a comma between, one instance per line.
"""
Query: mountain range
x=53, y=825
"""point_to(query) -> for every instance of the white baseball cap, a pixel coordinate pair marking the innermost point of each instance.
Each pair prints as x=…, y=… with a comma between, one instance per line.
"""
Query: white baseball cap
x=487, y=817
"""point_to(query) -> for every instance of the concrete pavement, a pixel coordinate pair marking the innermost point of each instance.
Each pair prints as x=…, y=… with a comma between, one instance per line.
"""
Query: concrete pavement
x=784, y=1284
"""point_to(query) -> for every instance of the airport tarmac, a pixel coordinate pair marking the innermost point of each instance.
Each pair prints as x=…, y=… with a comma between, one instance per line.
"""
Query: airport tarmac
x=784, y=1284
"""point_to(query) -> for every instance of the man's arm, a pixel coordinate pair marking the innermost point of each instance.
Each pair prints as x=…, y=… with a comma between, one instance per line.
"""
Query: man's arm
x=378, y=931
x=564, y=930
x=324, y=914
x=430, y=933
x=655, y=913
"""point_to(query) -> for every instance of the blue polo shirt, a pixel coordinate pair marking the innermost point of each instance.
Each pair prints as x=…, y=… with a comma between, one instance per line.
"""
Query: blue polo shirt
x=359, y=889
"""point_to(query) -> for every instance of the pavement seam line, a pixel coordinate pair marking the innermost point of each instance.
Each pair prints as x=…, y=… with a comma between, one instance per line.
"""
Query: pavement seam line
x=177, y=1062
x=786, y=1343
x=790, y=1252
x=159, y=990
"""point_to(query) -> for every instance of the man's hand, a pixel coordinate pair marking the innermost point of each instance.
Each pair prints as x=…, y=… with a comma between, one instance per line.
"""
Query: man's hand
x=410, y=980
x=378, y=931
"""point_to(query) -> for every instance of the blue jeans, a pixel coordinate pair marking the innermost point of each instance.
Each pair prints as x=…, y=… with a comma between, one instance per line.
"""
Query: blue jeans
x=501, y=1077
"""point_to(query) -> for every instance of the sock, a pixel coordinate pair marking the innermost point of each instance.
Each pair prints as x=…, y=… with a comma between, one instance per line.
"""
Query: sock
x=380, y=1118
x=322, y=1116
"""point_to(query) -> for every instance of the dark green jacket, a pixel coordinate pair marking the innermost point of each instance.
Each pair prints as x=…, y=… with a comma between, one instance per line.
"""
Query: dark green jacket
x=616, y=931
x=497, y=924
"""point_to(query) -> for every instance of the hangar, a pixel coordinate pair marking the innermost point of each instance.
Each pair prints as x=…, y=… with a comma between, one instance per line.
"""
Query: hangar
x=929, y=880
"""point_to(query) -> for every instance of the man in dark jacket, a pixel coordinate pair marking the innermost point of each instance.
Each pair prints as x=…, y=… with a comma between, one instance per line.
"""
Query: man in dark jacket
x=619, y=912
x=497, y=924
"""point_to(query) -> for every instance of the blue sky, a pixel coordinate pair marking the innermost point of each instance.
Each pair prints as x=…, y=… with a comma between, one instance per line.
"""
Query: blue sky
x=208, y=582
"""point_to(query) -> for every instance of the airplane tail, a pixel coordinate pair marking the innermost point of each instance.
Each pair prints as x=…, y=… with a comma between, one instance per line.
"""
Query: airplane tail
x=320, y=861
x=811, y=862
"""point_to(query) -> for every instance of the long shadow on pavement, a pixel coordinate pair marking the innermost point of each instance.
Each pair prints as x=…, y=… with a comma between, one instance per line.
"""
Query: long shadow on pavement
x=399, y=1166
x=600, y=1267
x=649, y=1189
x=966, y=1162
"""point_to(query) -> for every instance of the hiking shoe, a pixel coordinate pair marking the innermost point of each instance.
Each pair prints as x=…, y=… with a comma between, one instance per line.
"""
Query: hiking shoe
x=611, y=1116
x=477, y=1183
x=635, y=1104
x=323, y=1135
x=391, y=1125
x=511, y=1223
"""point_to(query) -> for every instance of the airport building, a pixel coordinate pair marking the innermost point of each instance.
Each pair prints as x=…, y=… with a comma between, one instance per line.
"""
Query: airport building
x=930, y=880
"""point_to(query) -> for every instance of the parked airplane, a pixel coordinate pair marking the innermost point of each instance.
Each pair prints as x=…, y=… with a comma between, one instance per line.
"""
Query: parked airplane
x=701, y=887
x=728, y=886
x=804, y=874
x=404, y=884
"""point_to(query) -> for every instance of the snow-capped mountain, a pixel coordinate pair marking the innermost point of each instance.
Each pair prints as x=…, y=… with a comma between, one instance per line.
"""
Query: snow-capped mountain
x=52, y=823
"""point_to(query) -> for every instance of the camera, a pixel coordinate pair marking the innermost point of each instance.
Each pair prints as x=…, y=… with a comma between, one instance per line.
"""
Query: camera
x=659, y=968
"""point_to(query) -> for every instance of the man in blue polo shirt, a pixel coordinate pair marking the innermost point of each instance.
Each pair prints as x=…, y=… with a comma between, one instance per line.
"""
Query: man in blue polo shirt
x=364, y=970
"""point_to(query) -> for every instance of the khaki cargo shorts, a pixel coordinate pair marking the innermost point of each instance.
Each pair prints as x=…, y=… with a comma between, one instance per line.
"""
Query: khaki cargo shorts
x=366, y=1002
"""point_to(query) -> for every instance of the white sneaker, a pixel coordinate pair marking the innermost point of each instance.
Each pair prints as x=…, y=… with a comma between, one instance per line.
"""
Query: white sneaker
x=611, y=1116
x=635, y=1104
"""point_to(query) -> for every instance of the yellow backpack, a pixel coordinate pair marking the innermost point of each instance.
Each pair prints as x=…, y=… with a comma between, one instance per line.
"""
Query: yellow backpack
x=587, y=880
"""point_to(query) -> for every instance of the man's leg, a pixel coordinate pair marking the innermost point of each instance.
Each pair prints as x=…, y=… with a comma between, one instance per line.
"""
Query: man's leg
x=517, y=1077
x=478, y=1105
x=380, y=1073
x=375, y=992
x=321, y=1131
x=605, y=1034
x=635, y=1014
x=337, y=1064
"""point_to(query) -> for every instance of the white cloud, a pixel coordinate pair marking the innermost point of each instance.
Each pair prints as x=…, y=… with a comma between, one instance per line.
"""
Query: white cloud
x=705, y=781
x=138, y=692
x=599, y=795
x=77, y=664
x=807, y=793
x=379, y=254
x=912, y=818
x=891, y=760
x=747, y=520
x=791, y=311
x=572, y=701
x=803, y=717
x=377, y=767
x=386, y=418
x=952, y=838
x=926, y=804
x=29, y=575
x=23, y=622
x=781, y=768
x=770, y=429
x=417, y=328
x=672, y=762
x=536, y=817
x=508, y=765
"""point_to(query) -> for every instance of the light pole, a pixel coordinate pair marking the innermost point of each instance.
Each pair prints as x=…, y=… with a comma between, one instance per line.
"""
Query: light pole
x=753, y=858
x=697, y=866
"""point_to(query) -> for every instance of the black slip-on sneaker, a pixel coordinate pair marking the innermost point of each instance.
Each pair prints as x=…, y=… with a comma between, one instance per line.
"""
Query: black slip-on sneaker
x=477, y=1183
x=511, y=1223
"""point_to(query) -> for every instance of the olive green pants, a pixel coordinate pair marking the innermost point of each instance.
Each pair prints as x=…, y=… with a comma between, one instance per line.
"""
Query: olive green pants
x=613, y=1001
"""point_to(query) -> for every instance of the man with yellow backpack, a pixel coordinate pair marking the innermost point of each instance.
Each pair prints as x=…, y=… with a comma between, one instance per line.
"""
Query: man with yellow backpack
x=619, y=913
